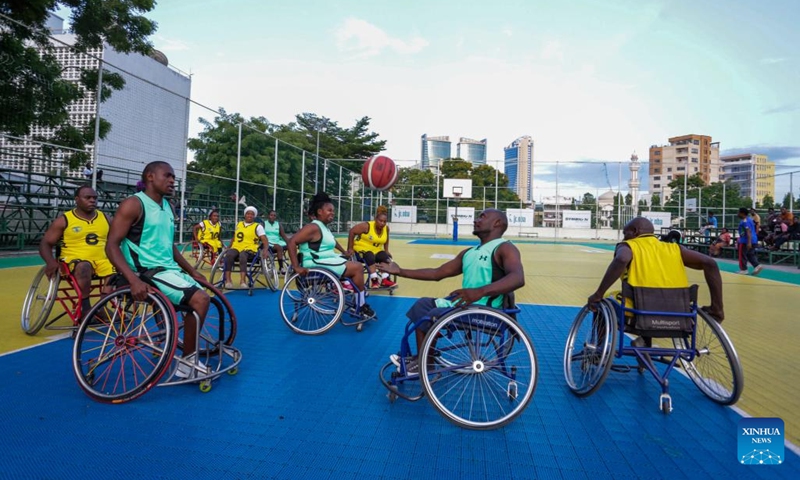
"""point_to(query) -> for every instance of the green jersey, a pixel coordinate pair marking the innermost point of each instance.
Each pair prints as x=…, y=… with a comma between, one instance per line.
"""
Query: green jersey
x=479, y=269
x=149, y=241
x=273, y=233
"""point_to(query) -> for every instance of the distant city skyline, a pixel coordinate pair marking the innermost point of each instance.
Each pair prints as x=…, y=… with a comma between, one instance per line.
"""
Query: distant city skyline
x=590, y=81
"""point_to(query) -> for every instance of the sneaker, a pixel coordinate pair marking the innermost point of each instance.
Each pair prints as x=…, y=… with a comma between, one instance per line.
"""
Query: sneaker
x=412, y=368
x=742, y=272
x=395, y=359
x=367, y=311
x=243, y=286
x=386, y=283
x=189, y=369
x=374, y=283
x=229, y=285
x=757, y=270
x=348, y=286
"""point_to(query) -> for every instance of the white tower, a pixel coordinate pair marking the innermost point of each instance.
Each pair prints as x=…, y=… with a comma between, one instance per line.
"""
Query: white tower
x=633, y=184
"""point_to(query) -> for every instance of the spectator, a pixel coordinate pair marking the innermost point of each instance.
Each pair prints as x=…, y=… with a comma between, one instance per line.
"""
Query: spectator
x=792, y=233
x=100, y=175
x=711, y=222
x=756, y=218
x=787, y=217
x=723, y=240
x=772, y=219
x=87, y=170
x=747, y=243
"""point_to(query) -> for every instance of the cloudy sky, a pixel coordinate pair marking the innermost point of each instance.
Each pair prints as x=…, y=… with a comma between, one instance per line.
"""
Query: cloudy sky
x=591, y=80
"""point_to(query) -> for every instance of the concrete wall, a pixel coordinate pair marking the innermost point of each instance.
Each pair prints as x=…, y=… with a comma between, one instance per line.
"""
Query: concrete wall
x=431, y=229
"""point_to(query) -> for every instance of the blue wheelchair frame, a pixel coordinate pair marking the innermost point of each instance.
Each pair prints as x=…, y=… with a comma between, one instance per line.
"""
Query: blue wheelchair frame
x=595, y=360
x=252, y=274
x=499, y=341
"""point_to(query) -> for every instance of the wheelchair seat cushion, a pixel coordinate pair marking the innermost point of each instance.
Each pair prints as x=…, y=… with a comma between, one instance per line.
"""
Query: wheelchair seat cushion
x=661, y=300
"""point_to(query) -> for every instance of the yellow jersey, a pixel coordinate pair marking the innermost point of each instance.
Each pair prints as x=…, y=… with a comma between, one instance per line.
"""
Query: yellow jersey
x=209, y=233
x=245, y=238
x=84, y=239
x=655, y=264
x=371, y=241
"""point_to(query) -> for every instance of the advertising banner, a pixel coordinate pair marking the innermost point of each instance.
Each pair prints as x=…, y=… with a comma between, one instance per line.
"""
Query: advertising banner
x=576, y=219
x=404, y=214
x=660, y=219
x=520, y=217
x=466, y=215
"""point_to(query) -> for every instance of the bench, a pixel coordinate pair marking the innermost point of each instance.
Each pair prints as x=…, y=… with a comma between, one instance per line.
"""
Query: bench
x=528, y=233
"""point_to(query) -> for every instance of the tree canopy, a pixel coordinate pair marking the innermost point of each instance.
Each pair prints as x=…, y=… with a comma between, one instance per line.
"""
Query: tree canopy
x=32, y=90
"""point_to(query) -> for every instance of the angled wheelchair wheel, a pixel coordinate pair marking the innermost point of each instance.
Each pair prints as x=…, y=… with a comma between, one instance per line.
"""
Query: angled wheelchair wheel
x=312, y=305
x=219, y=327
x=590, y=347
x=478, y=368
x=39, y=302
x=123, y=346
x=199, y=254
x=270, y=272
x=716, y=369
x=217, y=278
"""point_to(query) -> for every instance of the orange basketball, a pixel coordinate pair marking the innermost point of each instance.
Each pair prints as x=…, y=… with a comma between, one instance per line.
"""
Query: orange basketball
x=379, y=172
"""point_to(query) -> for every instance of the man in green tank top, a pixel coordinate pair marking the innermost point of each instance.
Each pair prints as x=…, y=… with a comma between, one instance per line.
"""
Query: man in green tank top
x=490, y=271
x=141, y=241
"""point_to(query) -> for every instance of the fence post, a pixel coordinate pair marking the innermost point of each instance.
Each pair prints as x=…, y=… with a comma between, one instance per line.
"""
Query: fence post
x=275, y=178
x=238, y=172
x=98, y=98
x=302, y=187
x=339, y=203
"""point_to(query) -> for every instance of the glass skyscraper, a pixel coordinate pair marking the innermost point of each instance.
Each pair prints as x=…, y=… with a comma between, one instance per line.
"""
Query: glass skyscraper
x=518, y=167
x=434, y=149
x=473, y=151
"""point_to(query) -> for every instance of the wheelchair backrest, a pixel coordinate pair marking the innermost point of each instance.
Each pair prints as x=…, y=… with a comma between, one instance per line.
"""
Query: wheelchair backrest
x=661, y=312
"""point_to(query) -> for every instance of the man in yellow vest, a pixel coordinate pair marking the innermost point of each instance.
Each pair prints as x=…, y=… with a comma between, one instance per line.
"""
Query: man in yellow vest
x=82, y=234
x=641, y=260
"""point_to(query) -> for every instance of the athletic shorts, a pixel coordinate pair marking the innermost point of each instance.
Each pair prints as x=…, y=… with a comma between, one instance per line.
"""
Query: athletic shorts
x=337, y=265
x=100, y=268
x=176, y=285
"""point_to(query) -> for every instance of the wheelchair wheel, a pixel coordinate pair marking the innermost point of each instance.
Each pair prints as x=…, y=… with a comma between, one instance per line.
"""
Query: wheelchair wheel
x=311, y=305
x=123, y=347
x=716, y=369
x=479, y=369
x=589, y=352
x=199, y=255
x=270, y=272
x=217, y=278
x=39, y=302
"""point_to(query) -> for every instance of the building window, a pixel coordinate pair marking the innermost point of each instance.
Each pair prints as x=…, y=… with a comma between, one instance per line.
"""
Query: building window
x=657, y=177
x=696, y=142
x=694, y=150
x=680, y=169
x=669, y=177
x=657, y=152
x=669, y=169
x=656, y=186
x=694, y=159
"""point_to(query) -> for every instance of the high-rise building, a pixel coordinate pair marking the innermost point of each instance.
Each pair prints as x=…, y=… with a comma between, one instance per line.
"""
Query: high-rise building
x=149, y=117
x=434, y=149
x=748, y=170
x=473, y=151
x=690, y=154
x=518, y=167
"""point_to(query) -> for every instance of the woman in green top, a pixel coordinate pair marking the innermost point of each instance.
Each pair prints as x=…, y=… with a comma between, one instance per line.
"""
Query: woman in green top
x=318, y=246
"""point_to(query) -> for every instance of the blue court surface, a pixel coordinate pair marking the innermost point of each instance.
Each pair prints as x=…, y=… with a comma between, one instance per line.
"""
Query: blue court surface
x=313, y=407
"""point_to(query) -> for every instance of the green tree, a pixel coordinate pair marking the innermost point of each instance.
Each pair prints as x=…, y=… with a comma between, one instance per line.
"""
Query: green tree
x=787, y=199
x=768, y=201
x=32, y=90
x=655, y=201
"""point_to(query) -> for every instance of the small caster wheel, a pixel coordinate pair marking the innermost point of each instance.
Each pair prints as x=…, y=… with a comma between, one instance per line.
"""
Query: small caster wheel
x=205, y=386
x=512, y=391
x=391, y=396
x=233, y=371
x=640, y=369
x=359, y=327
x=391, y=292
x=666, y=403
x=395, y=374
x=250, y=292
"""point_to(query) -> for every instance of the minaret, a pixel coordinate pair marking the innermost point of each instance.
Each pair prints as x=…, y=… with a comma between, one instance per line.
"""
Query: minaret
x=633, y=184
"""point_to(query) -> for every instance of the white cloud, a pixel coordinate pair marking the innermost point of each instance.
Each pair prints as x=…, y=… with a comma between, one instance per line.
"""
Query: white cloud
x=169, y=45
x=552, y=50
x=364, y=39
x=772, y=60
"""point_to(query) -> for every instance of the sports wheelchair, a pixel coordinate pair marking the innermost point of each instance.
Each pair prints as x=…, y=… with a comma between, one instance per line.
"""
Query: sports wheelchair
x=684, y=335
x=44, y=293
x=479, y=369
x=125, y=347
x=204, y=255
x=356, y=257
x=312, y=304
x=261, y=272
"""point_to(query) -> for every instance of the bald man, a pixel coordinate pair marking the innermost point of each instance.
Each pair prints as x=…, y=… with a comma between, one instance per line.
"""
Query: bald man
x=491, y=270
x=642, y=260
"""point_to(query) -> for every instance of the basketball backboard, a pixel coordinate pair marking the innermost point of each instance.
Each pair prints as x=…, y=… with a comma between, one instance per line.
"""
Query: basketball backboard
x=457, y=188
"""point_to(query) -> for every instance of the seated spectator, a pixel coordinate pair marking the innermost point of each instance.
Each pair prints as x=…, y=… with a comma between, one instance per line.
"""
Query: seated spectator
x=723, y=240
x=710, y=223
x=787, y=217
x=772, y=219
x=792, y=233
x=779, y=228
x=756, y=218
